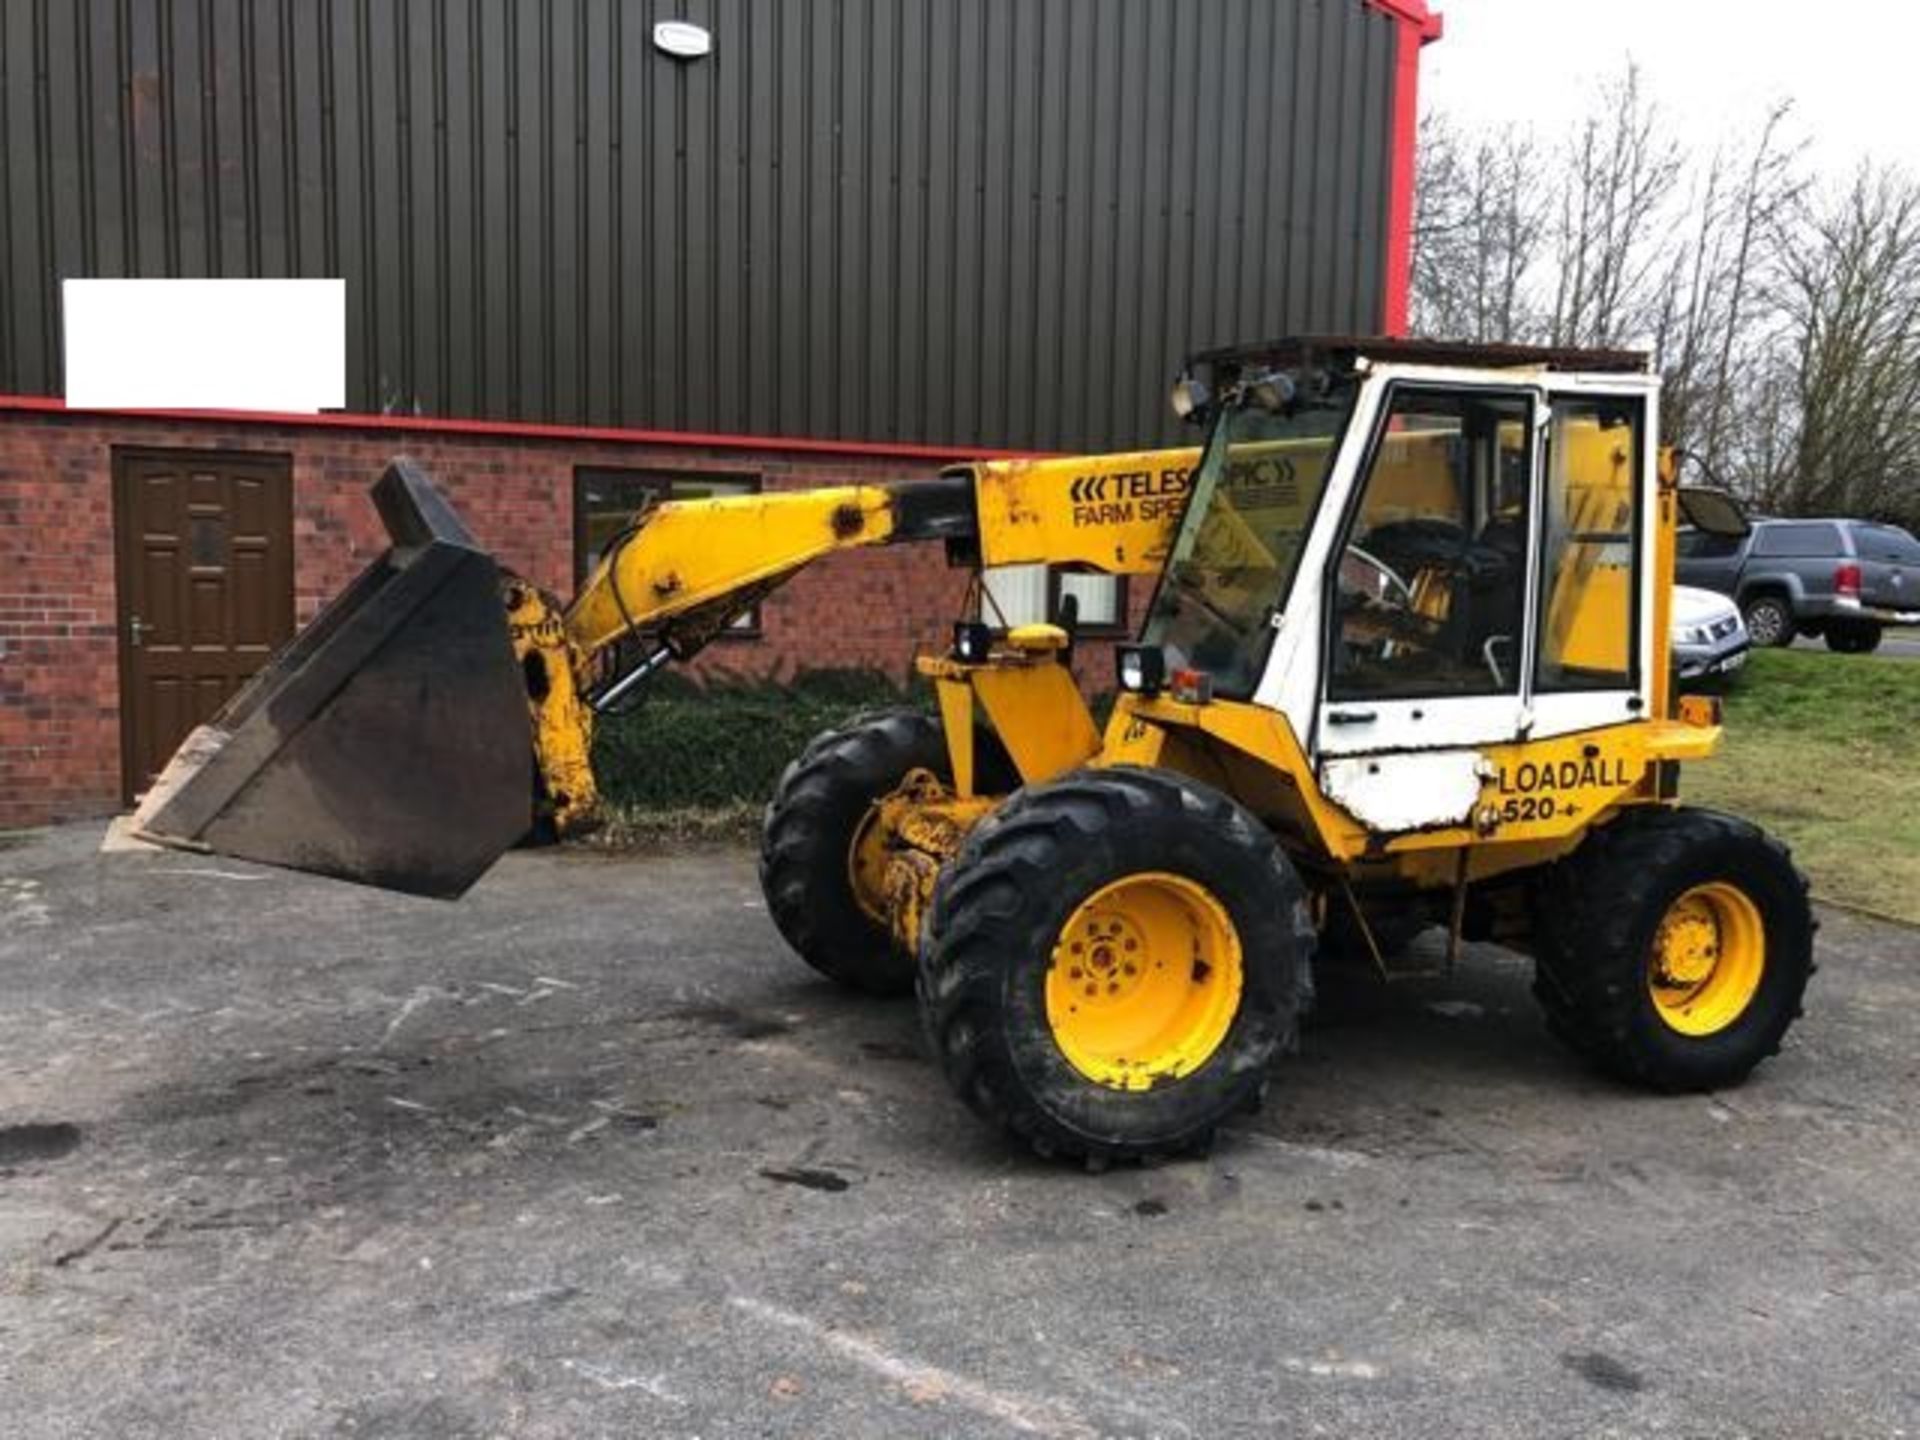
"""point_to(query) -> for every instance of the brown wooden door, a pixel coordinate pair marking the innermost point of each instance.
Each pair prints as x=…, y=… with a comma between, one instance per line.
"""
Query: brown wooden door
x=205, y=557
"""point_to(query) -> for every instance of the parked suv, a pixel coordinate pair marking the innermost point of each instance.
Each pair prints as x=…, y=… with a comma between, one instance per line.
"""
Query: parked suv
x=1846, y=580
x=1709, y=640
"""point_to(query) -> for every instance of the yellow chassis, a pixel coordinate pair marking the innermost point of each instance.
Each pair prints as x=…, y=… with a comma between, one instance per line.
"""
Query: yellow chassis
x=686, y=568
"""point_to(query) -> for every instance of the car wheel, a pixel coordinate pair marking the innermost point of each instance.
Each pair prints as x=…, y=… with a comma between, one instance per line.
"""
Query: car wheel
x=1769, y=621
x=1857, y=639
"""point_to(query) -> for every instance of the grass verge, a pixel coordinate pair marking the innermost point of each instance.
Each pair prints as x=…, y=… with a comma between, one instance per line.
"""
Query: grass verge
x=1824, y=751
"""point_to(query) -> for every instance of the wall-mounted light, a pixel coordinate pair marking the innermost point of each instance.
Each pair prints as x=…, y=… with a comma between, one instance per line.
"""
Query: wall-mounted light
x=682, y=39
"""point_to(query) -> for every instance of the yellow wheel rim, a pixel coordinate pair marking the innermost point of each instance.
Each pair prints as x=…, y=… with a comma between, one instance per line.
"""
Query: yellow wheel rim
x=1707, y=959
x=1144, y=981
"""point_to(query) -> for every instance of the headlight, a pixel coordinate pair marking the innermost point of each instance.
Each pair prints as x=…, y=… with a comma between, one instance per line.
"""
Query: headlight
x=1272, y=392
x=1142, y=668
x=1695, y=635
x=972, y=642
x=1189, y=398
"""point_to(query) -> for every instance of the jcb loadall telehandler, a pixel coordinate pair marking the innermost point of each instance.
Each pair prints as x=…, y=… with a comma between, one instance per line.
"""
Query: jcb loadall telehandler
x=1406, y=663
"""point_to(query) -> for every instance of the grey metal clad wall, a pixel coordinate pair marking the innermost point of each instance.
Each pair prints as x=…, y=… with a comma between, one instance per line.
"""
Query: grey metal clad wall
x=990, y=222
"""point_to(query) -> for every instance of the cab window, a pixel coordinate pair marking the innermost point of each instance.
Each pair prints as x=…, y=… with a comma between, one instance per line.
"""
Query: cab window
x=1589, y=556
x=1430, y=592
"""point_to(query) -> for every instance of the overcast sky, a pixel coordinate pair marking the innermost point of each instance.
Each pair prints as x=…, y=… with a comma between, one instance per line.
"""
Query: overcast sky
x=1714, y=66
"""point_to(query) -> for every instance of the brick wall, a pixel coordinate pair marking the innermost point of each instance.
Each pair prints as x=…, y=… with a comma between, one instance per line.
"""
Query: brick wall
x=59, y=688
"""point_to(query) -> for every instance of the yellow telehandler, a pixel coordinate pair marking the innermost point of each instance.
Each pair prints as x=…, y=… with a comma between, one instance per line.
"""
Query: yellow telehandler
x=1406, y=664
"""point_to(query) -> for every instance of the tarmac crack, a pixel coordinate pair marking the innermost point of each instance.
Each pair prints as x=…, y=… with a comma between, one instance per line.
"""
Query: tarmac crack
x=925, y=1382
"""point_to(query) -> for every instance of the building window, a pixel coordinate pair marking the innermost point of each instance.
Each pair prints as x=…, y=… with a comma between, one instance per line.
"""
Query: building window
x=1029, y=594
x=605, y=500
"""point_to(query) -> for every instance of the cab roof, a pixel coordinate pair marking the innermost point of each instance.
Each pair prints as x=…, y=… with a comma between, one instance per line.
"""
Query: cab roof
x=1341, y=351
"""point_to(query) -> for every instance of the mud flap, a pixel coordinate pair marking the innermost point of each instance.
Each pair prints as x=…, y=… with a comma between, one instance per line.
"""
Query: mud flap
x=389, y=742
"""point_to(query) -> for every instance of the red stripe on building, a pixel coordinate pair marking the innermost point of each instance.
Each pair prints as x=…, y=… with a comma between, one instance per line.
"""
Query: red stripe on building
x=1418, y=26
x=524, y=430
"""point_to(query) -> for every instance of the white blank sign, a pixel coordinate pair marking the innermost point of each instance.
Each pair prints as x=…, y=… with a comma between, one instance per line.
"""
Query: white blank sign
x=276, y=345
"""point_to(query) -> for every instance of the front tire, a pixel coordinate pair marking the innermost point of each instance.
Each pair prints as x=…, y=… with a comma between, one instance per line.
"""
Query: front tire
x=1111, y=963
x=807, y=839
x=1674, y=948
x=1769, y=620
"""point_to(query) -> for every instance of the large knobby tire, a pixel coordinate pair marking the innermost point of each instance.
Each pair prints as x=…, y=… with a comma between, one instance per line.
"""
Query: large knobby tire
x=998, y=952
x=1769, y=620
x=806, y=839
x=1853, y=637
x=1674, y=948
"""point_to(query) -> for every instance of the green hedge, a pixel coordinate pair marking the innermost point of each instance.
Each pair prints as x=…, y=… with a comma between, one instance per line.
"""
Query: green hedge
x=724, y=742
x=706, y=745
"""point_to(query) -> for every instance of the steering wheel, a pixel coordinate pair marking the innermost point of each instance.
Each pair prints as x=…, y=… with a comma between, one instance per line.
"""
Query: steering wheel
x=1386, y=585
x=1380, y=600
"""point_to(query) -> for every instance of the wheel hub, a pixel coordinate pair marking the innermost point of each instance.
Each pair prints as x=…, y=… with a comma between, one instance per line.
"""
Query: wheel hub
x=1144, y=981
x=1104, y=957
x=1707, y=959
x=1688, y=945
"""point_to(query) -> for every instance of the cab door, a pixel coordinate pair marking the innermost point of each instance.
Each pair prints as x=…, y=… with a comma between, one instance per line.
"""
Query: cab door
x=1594, y=647
x=1424, y=656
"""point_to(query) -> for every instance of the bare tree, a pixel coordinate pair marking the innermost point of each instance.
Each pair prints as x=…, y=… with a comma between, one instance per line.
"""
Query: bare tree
x=1850, y=289
x=1787, y=324
x=1621, y=171
x=1478, y=228
x=1714, y=333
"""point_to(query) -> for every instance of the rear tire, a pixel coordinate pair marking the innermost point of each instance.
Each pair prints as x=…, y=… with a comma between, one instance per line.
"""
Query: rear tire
x=1000, y=964
x=1674, y=948
x=1769, y=620
x=1853, y=637
x=806, y=839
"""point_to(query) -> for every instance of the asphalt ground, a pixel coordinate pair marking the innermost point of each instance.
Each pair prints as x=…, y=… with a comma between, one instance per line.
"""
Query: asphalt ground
x=588, y=1154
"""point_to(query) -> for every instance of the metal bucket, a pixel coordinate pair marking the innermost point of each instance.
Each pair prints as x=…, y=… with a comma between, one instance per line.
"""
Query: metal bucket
x=389, y=742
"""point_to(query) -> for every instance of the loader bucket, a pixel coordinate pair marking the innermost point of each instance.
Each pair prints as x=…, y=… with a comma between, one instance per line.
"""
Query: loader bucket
x=388, y=743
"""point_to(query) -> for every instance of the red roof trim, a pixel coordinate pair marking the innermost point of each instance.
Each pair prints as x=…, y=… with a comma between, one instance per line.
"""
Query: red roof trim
x=520, y=430
x=1417, y=26
x=1414, y=12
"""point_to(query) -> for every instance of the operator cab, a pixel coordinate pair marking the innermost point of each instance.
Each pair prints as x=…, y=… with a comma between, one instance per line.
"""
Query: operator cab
x=1412, y=549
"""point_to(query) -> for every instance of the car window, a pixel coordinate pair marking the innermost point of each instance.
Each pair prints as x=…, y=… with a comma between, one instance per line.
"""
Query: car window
x=1886, y=542
x=1705, y=545
x=1790, y=540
